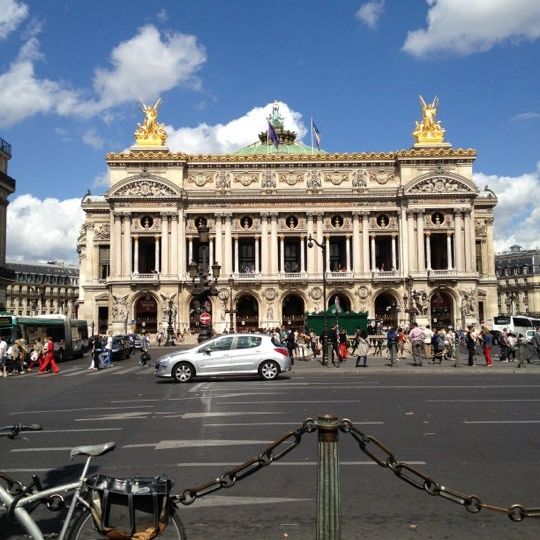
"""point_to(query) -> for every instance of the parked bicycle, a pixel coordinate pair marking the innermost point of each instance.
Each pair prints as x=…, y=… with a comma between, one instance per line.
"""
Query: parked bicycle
x=96, y=502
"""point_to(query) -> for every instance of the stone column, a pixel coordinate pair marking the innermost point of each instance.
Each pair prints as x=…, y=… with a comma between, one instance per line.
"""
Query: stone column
x=264, y=244
x=228, y=247
x=126, y=263
x=174, y=245
x=164, y=245
x=236, y=267
x=281, y=254
x=365, y=243
x=411, y=243
x=394, y=258
x=91, y=274
x=428, y=250
x=403, y=242
x=449, y=250
x=182, y=266
x=356, y=245
x=373, y=258
x=302, y=254
x=136, y=254
x=274, y=243
x=469, y=237
x=190, y=250
x=320, y=239
x=327, y=245
x=348, y=252
x=156, y=256
x=116, y=246
x=458, y=241
x=219, y=244
x=257, y=265
x=490, y=249
x=420, y=241
x=210, y=253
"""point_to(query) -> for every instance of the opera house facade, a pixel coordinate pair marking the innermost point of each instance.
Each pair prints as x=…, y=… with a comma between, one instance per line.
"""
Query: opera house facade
x=404, y=236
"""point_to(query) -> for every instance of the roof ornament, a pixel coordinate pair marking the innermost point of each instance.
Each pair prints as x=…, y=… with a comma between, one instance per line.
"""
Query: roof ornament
x=274, y=117
x=150, y=132
x=429, y=131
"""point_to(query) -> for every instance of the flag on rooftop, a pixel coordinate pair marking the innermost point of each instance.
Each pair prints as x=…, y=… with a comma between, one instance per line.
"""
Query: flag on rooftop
x=316, y=134
x=272, y=135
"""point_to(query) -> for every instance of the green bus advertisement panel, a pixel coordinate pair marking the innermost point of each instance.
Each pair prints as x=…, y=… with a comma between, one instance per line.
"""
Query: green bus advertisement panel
x=350, y=321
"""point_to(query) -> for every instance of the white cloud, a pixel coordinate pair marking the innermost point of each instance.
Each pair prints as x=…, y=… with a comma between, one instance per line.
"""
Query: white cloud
x=43, y=229
x=517, y=216
x=145, y=66
x=463, y=27
x=370, y=13
x=91, y=138
x=223, y=138
x=12, y=13
x=524, y=117
x=162, y=16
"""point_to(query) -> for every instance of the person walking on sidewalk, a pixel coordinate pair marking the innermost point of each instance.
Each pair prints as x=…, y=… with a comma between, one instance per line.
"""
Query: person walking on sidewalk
x=416, y=337
x=470, y=342
x=391, y=343
x=3, y=355
x=362, y=346
x=487, y=343
x=49, y=358
x=428, y=348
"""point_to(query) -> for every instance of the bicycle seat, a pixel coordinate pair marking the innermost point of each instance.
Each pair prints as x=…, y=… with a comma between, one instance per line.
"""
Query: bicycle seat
x=95, y=450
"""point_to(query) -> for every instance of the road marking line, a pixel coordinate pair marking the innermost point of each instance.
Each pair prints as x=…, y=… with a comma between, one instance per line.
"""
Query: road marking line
x=166, y=445
x=126, y=370
x=289, y=463
x=212, y=414
x=479, y=400
x=83, y=371
x=86, y=409
x=284, y=424
x=501, y=421
x=56, y=449
x=288, y=402
x=142, y=415
x=74, y=430
x=101, y=371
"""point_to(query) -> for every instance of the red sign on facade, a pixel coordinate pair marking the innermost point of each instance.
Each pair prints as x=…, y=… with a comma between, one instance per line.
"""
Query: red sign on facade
x=205, y=318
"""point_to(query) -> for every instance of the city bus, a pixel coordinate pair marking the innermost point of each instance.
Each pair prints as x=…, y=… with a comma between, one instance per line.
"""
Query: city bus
x=70, y=336
x=517, y=324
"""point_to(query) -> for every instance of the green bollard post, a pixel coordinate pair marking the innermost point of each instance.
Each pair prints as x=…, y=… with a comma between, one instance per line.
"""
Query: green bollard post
x=328, y=483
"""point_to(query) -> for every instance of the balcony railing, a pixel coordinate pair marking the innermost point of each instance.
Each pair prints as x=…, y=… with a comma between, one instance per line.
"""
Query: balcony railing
x=442, y=273
x=293, y=275
x=386, y=274
x=246, y=276
x=339, y=275
x=5, y=147
x=145, y=277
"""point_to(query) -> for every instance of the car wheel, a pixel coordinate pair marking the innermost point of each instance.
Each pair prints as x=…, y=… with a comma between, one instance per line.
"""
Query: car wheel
x=269, y=370
x=183, y=372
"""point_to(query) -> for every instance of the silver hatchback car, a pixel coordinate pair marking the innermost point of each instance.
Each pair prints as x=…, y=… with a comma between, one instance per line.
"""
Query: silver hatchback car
x=230, y=354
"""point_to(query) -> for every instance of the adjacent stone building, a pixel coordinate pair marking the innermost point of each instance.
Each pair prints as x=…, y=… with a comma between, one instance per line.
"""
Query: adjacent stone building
x=405, y=235
x=518, y=273
x=7, y=187
x=43, y=289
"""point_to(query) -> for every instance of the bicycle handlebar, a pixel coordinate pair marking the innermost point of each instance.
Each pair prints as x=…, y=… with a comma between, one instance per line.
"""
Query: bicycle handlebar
x=12, y=431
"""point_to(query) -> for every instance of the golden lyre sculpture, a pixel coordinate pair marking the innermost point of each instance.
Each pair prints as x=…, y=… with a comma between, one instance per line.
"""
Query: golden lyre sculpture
x=150, y=132
x=429, y=130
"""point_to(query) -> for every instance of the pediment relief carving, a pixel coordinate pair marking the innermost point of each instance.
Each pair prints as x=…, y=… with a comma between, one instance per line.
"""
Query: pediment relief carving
x=200, y=178
x=143, y=187
x=290, y=177
x=440, y=185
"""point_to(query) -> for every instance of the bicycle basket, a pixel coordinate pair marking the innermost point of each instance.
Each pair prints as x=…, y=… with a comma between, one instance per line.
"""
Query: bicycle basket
x=129, y=508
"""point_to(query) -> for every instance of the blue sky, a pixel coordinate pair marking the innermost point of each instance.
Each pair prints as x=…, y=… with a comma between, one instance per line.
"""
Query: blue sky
x=72, y=72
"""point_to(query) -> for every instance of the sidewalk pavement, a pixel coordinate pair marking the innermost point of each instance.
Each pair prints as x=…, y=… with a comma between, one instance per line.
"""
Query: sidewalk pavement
x=381, y=364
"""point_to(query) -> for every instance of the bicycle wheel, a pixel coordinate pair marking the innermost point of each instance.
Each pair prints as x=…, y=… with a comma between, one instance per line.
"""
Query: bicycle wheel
x=83, y=528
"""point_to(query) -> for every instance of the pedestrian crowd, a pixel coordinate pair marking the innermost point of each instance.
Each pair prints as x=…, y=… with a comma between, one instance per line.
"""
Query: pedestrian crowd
x=18, y=357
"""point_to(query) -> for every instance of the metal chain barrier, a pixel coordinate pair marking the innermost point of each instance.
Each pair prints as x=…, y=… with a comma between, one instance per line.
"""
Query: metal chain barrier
x=381, y=455
x=289, y=441
x=370, y=446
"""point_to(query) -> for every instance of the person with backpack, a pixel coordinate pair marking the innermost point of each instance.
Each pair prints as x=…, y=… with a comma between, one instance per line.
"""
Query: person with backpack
x=437, y=345
x=391, y=343
x=487, y=342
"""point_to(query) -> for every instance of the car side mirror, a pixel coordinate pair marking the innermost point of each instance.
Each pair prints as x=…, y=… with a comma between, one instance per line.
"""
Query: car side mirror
x=207, y=350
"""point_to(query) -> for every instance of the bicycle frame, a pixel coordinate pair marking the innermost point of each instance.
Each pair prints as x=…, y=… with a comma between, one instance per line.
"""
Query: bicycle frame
x=25, y=518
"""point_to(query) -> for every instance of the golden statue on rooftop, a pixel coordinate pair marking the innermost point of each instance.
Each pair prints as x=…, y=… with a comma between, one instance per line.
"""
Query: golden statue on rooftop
x=150, y=132
x=429, y=130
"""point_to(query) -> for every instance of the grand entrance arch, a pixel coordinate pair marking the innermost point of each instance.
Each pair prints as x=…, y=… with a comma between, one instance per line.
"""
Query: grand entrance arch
x=441, y=308
x=293, y=311
x=338, y=303
x=387, y=310
x=146, y=312
x=247, y=314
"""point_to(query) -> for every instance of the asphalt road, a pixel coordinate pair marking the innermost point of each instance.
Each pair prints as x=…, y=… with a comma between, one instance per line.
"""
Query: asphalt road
x=474, y=431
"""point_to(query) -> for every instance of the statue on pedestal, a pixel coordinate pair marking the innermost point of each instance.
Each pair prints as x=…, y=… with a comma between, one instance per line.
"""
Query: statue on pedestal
x=429, y=130
x=150, y=132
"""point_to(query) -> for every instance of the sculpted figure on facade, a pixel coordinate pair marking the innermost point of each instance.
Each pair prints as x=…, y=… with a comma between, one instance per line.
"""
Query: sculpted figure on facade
x=119, y=308
x=360, y=178
x=150, y=132
x=468, y=307
x=167, y=303
x=223, y=180
x=429, y=130
x=102, y=231
x=145, y=188
x=313, y=180
x=268, y=180
x=419, y=302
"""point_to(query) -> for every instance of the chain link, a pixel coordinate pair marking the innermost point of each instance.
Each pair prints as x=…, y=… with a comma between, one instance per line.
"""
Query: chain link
x=288, y=441
x=381, y=455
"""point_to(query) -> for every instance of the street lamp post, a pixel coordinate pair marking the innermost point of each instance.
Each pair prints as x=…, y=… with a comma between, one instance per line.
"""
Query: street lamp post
x=170, y=329
x=201, y=271
x=231, y=311
x=326, y=345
